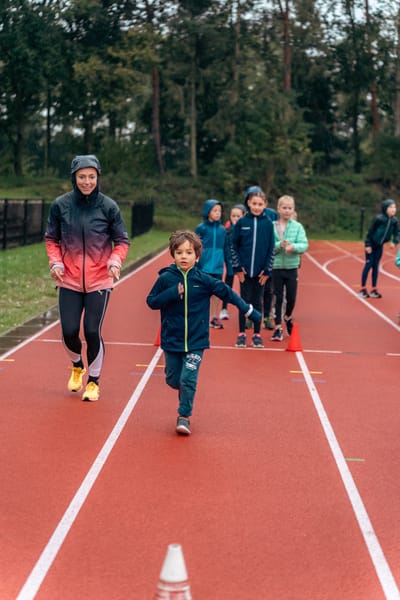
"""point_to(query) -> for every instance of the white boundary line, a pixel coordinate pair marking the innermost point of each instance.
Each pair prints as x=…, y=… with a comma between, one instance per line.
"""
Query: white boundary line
x=47, y=557
x=379, y=561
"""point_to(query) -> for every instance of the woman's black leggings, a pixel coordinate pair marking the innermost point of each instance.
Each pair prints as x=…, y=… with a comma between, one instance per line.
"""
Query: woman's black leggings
x=93, y=305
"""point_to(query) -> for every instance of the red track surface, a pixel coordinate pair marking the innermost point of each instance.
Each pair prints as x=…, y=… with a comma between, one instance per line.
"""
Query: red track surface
x=287, y=489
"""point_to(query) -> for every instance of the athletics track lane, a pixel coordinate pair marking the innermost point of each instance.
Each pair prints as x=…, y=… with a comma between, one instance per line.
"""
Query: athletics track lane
x=254, y=496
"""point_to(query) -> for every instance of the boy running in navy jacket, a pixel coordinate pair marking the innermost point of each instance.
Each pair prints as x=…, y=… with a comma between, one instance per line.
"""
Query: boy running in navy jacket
x=182, y=293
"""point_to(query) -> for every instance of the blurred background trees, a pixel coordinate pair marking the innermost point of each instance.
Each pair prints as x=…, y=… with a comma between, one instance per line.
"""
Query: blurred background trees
x=238, y=91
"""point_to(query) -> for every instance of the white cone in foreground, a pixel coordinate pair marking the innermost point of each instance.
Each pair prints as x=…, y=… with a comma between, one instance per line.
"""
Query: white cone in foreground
x=173, y=583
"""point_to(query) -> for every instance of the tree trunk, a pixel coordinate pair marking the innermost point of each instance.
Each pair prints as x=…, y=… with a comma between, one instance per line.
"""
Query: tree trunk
x=287, y=51
x=193, y=124
x=373, y=88
x=156, y=119
x=19, y=146
x=234, y=97
x=397, y=97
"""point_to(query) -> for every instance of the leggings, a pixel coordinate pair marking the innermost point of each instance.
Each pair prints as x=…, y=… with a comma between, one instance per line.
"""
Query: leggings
x=71, y=306
x=252, y=292
x=284, y=279
x=372, y=262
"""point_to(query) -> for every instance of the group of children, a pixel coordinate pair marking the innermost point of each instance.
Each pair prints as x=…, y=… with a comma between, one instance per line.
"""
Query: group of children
x=258, y=245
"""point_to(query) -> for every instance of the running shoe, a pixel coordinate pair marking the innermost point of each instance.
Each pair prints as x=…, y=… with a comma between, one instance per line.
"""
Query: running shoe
x=268, y=323
x=223, y=315
x=375, y=294
x=76, y=379
x=183, y=426
x=277, y=336
x=256, y=341
x=241, y=341
x=289, y=325
x=215, y=324
x=363, y=293
x=92, y=392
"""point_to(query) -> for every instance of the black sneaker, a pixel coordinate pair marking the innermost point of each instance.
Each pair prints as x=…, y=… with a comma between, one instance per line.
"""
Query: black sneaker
x=277, y=336
x=375, y=294
x=289, y=325
x=241, y=341
x=363, y=293
x=216, y=324
x=256, y=341
x=183, y=426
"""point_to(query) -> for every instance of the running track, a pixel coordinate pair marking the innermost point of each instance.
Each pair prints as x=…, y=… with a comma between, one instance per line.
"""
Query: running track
x=288, y=489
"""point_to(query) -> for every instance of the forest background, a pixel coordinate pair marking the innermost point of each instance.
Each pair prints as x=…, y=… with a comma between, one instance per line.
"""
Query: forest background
x=190, y=99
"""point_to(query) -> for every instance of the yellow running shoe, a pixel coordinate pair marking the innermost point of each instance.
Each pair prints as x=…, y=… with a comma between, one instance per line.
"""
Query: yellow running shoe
x=75, y=381
x=92, y=392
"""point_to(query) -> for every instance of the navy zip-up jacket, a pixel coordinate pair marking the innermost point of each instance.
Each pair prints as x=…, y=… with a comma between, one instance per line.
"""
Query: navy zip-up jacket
x=185, y=318
x=253, y=242
x=383, y=228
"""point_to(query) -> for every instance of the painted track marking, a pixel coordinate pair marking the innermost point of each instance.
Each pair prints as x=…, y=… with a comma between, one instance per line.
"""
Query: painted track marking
x=378, y=558
x=46, y=559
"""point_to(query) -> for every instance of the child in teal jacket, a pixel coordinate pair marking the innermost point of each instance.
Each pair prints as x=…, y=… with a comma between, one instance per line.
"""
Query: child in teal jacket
x=290, y=243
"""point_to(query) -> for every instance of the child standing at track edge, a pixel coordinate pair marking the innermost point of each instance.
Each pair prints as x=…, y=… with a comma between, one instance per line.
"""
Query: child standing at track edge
x=290, y=243
x=383, y=228
x=86, y=242
x=253, y=246
x=182, y=293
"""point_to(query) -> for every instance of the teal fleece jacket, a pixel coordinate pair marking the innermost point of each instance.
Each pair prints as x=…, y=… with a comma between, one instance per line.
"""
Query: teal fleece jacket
x=295, y=234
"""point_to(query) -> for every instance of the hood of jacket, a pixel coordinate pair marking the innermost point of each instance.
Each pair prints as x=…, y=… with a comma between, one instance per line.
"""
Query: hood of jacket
x=208, y=205
x=385, y=205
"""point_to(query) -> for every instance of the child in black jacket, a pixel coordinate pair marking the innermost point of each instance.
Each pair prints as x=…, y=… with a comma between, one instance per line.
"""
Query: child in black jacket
x=383, y=228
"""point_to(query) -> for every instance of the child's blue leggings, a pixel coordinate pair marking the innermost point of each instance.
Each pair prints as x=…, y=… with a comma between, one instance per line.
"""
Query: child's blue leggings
x=372, y=262
x=181, y=373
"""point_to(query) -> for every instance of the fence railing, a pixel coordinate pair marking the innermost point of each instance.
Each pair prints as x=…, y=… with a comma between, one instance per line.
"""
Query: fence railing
x=23, y=222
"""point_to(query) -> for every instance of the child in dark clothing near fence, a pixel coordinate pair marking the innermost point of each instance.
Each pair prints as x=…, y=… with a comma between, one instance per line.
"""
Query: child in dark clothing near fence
x=383, y=228
x=182, y=293
x=237, y=212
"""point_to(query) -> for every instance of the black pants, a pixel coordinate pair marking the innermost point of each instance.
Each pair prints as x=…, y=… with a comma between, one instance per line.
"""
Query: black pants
x=252, y=292
x=93, y=306
x=284, y=280
x=372, y=261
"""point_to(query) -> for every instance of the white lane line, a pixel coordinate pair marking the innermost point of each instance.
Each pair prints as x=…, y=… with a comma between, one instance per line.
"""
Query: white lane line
x=348, y=288
x=40, y=570
x=378, y=558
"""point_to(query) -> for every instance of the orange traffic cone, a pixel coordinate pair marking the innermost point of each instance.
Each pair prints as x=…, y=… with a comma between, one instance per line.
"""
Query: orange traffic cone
x=294, y=344
x=157, y=341
x=173, y=583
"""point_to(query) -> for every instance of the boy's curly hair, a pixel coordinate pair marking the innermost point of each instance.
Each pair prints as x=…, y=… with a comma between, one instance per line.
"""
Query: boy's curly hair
x=180, y=237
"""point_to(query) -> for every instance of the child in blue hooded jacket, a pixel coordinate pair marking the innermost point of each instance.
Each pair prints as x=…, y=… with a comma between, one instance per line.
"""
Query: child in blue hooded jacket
x=182, y=293
x=216, y=250
x=384, y=228
x=253, y=246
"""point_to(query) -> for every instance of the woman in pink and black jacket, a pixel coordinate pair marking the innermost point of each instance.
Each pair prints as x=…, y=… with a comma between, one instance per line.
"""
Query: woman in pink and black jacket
x=86, y=242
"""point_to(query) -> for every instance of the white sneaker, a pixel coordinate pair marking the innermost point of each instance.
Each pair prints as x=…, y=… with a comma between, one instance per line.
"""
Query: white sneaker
x=223, y=315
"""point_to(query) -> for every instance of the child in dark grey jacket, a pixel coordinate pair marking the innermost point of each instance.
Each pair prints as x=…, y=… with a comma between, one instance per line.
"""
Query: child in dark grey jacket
x=384, y=227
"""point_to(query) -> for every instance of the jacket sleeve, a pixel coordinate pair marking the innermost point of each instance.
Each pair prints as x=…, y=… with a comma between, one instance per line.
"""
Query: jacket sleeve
x=235, y=240
x=120, y=238
x=301, y=242
x=228, y=255
x=52, y=237
x=225, y=293
x=371, y=231
x=160, y=295
x=269, y=256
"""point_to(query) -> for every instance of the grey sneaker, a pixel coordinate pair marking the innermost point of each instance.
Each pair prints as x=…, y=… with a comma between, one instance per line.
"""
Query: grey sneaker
x=183, y=426
x=363, y=293
x=375, y=294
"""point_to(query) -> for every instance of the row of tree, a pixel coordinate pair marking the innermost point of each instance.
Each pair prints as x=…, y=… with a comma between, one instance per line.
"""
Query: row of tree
x=252, y=90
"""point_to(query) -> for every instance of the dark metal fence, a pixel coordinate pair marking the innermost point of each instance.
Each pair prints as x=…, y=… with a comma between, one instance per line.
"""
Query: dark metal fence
x=23, y=222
